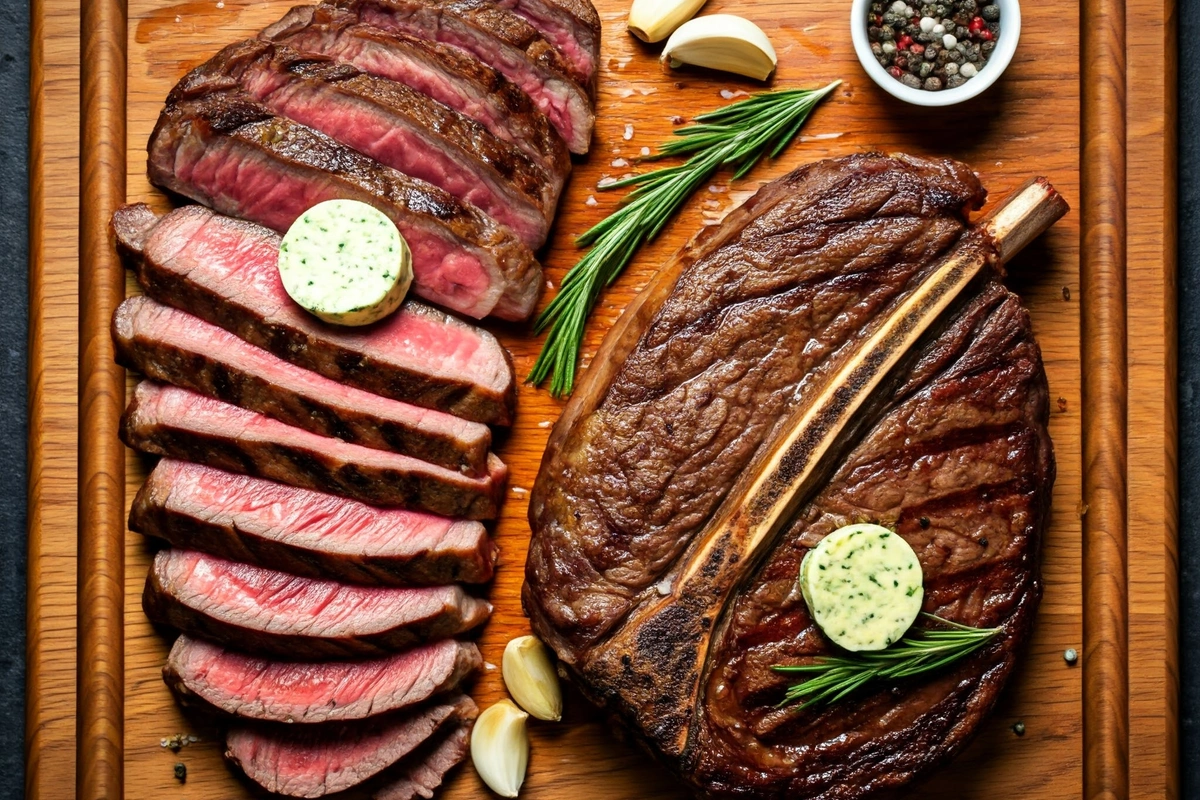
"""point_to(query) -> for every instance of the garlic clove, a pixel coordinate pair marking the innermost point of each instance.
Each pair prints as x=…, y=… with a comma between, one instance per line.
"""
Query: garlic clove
x=500, y=748
x=722, y=41
x=530, y=678
x=654, y=20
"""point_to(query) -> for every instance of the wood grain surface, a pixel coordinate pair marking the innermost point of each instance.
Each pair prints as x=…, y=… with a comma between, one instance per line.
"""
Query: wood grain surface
x=1029, y=123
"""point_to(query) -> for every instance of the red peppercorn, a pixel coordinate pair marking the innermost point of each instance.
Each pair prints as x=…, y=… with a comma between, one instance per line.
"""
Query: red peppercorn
x=986, y=35
x=895, y=72
x=977, y=24
x=917, y=49
x=904, y=42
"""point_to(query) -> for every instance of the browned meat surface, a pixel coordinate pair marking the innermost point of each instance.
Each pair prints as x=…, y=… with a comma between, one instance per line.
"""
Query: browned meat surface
x=572, y=26
x=738, y=336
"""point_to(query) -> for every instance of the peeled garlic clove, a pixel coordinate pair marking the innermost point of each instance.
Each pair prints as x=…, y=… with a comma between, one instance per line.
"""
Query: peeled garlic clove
x=530, y=678
x=722, y=41
x=500, y=748
x=653, y=20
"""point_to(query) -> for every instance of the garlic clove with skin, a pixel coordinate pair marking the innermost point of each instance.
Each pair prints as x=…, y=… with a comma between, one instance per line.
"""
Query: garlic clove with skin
x=500, y=748
x=724, y=42
x=654, y=20
x=529, y=676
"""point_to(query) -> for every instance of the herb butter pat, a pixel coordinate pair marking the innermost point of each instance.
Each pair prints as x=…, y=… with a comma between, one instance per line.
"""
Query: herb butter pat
x=863, y=586
x=345, y=262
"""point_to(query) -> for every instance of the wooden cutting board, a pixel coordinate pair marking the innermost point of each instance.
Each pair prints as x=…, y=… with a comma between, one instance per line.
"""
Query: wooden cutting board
x=1084, y=733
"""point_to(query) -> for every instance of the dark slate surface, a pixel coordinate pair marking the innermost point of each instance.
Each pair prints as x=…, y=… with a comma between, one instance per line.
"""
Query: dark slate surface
x=14, y=82
x=14, y=214
x=1189, y=394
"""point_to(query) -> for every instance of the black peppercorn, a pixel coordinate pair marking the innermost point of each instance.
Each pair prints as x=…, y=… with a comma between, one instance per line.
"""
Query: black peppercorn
x=181, y=772
x=990, y=13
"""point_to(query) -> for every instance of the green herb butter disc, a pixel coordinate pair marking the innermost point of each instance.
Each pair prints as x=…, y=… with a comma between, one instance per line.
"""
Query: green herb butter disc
x=345, y=262
x=863, y=585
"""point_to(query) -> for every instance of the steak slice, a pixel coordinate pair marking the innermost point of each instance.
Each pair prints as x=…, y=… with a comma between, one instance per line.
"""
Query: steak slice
x=837, y=351
x=315, y=692
x=397, y=126
x=315, y=761
x=448, y=75
x=228, y=152
x=224, y=271
x=174, y=422
x=170, y=345
x=503, y=41
x=307, y=533
x=424, y=772
x=257, y=610
x=572, y=26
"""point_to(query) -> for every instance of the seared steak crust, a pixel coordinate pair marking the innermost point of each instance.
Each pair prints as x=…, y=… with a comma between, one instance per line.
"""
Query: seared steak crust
x=394, y=124
x=223, y=149
x=447, y=74
x=572, y=26
x=751, y=322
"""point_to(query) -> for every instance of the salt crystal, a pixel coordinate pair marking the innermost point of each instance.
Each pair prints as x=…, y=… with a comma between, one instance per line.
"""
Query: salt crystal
x=591, y=201
x=545, y=423
x=620, y=162
x=220, y=3
x=663, y=587
x=718, y=189
x=605, y=181
x=726, y=94
x=549, y=284
x=624, y=61
x=628, y=132
x=178, y=18
x=645, y=151
x=519, y=490
x=489, y=666
x=714, y=204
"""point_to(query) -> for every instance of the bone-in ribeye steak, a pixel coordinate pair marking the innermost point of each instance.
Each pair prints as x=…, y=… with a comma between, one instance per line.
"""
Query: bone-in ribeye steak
x=307, y=533
x=716, y=439
x=450, y=76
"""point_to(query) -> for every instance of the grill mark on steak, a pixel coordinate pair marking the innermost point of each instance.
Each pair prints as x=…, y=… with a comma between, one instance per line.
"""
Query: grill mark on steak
x=170, y=421
x=969, y=418
x=249, y=687
x=221, y=148
x=503, y=41
x=448, y=75
x=169, y=345
x=258, y=610
x=224, y=271
x=397, y=126
x=306, y=533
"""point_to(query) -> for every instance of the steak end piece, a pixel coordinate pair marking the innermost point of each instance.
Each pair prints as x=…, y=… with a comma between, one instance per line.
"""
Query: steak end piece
x=653, y=473
x=572, y=26
x=258, y=610
x=306, y=533
x=290, y=692
x=315, y=761
x=224, y=271
x=215, y=145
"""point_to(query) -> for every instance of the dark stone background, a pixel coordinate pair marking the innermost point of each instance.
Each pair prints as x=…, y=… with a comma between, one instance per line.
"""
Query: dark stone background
x=14, y=90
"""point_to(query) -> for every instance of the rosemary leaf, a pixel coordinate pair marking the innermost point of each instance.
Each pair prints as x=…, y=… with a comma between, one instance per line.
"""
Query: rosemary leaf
x=921, y=651
x=736, y=136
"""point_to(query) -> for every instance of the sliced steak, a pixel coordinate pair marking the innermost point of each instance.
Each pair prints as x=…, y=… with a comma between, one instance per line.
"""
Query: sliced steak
x=445, y=73
x=232, y=154
x=170, y=421
x=257, y=610
x=425, y=771
x=503, y=41
x=572, y=26
x=170, y=345
x=309, y=692
x=315, y=761
x=307, y=533
x=673, y=449
x=224, y=271
x=394, y=124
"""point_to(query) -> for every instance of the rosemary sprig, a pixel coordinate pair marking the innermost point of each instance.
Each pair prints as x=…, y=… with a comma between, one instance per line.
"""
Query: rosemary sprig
x=922, y=650
x=736, y=136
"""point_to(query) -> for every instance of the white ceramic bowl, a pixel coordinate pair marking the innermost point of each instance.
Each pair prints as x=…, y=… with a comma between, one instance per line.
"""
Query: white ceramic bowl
x=1006, y=46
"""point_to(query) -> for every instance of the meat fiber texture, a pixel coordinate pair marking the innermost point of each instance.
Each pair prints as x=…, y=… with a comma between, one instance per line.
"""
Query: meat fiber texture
x=396, y=125
x=502, y=40
x=740, y=333
x=446, y=74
